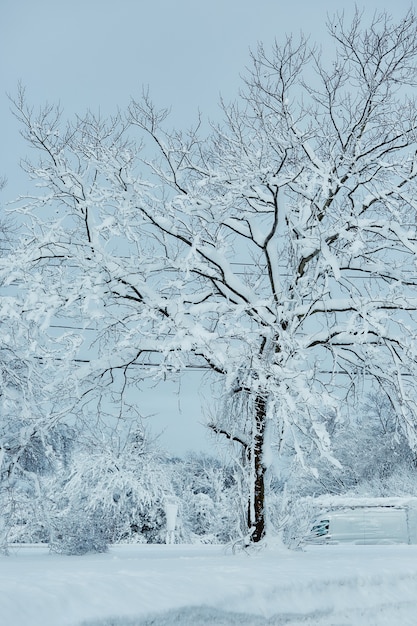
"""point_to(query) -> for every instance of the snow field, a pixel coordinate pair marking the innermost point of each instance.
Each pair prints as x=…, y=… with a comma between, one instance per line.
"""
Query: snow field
x=140, y=585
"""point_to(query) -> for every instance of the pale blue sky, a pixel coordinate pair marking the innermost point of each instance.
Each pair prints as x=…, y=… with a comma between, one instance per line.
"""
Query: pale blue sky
x=95, y=54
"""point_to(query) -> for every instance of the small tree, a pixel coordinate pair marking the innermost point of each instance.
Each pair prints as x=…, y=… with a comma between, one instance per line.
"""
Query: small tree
x=279, y=252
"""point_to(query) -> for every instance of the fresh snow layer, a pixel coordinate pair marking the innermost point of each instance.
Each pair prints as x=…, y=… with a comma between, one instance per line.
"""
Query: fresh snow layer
x=158, y=585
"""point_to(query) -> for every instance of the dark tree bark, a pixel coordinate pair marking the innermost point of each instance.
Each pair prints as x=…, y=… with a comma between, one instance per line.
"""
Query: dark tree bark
x=256, y=512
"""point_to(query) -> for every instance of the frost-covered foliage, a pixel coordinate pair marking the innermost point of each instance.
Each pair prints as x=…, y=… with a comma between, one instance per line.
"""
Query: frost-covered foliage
x=25, y=502
x=210, y=509
x=373, y=452
x=373, y=447
x=279, y=252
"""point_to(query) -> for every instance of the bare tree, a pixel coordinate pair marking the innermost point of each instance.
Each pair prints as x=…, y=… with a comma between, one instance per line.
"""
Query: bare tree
x=279, y=251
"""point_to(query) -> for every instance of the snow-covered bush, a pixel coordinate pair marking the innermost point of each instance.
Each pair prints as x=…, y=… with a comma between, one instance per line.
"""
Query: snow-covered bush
x=209, y=511
x=113, y=493
x=76, y=534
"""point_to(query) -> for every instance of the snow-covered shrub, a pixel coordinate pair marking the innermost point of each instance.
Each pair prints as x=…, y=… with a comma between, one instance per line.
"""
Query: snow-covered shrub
x=201, y=510
x=77, y=534
x=207, y=491
x=24, y=515
x=114, y=494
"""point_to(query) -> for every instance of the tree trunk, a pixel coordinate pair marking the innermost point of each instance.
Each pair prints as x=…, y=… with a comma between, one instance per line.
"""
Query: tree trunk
x=256, y=507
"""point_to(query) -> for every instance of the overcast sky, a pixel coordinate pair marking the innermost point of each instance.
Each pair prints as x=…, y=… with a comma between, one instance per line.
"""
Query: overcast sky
x=96, y=54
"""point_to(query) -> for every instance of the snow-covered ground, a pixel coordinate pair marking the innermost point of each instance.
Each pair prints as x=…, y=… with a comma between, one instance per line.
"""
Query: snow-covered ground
x=194, y=585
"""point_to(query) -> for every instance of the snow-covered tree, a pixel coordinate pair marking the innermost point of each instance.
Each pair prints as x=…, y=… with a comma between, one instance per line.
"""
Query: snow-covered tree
x=279, y=251
x=32, y=440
